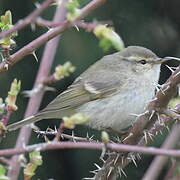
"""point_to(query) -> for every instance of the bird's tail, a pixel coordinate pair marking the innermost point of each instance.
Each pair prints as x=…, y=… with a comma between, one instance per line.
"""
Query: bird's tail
x=26, y=121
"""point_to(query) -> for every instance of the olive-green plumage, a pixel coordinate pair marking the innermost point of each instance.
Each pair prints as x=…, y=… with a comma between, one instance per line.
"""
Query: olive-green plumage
x=109, y=91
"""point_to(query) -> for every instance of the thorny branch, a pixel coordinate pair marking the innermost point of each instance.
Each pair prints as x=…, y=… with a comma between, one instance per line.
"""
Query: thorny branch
x=51, y=132
x=89, y=145
x=144, y=129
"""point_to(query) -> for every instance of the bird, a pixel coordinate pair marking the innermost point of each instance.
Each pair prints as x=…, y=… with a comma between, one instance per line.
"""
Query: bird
x=109, y=92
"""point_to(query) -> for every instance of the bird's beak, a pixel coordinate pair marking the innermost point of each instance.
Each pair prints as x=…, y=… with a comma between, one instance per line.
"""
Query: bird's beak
x=162, y=60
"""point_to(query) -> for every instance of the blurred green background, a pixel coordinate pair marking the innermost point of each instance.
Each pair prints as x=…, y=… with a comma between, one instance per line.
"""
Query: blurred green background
x=154, y=24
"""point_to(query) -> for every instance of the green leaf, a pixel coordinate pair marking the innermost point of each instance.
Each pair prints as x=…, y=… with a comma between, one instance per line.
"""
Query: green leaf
x=2, y=170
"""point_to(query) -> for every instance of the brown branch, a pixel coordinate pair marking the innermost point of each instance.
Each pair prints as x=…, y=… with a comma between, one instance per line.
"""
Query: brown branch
x=26, y=21
x=46, y=23
x=32, y=46
x=51, y=132
x=89, y=145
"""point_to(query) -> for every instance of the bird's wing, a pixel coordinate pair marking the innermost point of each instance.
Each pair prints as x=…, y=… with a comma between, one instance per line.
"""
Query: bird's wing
x=84, y=90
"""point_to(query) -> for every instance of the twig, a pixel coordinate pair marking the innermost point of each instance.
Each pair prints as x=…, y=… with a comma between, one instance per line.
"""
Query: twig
x=26, y=21
x=59, y=131
x=32, y=46
x=90, y=145
x=63, y=136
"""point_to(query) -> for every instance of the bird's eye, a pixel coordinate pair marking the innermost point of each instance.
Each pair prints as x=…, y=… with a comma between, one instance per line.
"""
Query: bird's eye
x=142, y=61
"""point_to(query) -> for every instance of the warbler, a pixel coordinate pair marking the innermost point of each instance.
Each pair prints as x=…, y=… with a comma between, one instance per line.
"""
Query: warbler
x=109, y=92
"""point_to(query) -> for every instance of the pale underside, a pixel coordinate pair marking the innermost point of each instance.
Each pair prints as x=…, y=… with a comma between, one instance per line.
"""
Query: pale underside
x=110, y=92
x=110, y=102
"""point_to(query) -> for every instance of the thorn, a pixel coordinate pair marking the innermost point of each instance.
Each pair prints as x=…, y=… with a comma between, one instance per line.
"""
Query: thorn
x=97, y=166
x=110, y=170
x=133, y=158
x=159, y=88
x=117, y=157
x=102, y=160
x=132, y=114
x=77, y=28
x=151, y=136
x=170, y=68
x=32, y=92
x=117, y=139
x=49, y=29
x=72, y=134
x=34, y=54
x=145, y=136
x=87, y=135
x=161, y=132
x=93, y=172
x=130, y=134
x=159, y=119
x=46, y=139
x=103, y=152
x=6, y=66
x=138, y=156
x=152, y=114
x=37, y=5
x=89, y=138
x=47, y=88
x=121, y=171
x=136, y=115
x=55, y=130
x=176, y=74
x=154, y=99
x=122, y=160
x=33, y=26
x=167, y=88
x=167, y=127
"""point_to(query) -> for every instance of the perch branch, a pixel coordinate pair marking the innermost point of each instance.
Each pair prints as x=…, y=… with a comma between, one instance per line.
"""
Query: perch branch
x=89, y=145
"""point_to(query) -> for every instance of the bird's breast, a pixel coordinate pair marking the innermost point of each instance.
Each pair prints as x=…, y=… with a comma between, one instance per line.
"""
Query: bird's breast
x=117, y=112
